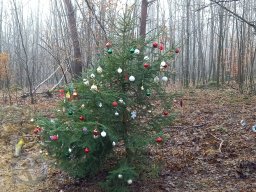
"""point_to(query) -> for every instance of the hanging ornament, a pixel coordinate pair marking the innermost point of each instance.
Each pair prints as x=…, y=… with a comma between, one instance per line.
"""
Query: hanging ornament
x=68, y=95
x=163, y=64
x=54, y=137
x=37, y=130
x=132, y=50
x=96, y=133
x=75, y=94
x=108, y=45
x=113, y=143
x=142, y=88
x=92, y=76
x=133, y=114
x=165, y=113
x=161, y=47
x=129, y=181
x=100, y=104
x=86, y=150
x=86, y=82
x=177, y=50
x=121, y=101
x=146, y=65
x=110, y=51
x=70, y=112
x=156, y=79
x=94, y=88
x=116, y=113
x=82, y=106
x=243, y=123
x=254, y=128
x=69, y=150
x=120, y=176
x=119, y=70
x=99, y=70
x=159, y=140
x=103, y=134
x=146, y=58
x=114, y=104
x=52, y=121
x=155, y=44
x=137, y=51
x=148, y=93
x=164, y=78
x=85, y=130
x=82, y=118
x=131, y=78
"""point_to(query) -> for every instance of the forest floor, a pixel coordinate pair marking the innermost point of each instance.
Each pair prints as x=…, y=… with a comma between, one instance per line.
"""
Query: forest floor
x=206, y=148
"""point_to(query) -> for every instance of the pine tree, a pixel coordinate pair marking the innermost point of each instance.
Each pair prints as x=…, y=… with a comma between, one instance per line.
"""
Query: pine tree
x=114, y=112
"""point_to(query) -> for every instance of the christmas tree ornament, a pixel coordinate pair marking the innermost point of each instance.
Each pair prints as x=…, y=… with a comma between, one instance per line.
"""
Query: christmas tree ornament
x=163, y=64
x=82, y=118
x=164, y=78
x=52, y=121
x=94, y=88
x=146, y=65
x=137, y=51
x=133, y=114
x=113, y=143
x=37, y=130
x=54, y=137
x=129, y=181
x=32, y=120
x=159, y=140
x=121, y=101
x=86, y=82
x=103, y=134
x=69, y=150
x=86, y=150
x=165, y=113
x=70, y=112
x=119, y=70
x=146, y=58
x=92, y=76
x=161, y=47
x=254, y=128
x=243, y=123
x=155, y=44
x=114, y=104
x=99, y=70
x=177, y=50
x=108, y=45
x=82, y=106
x=100, y=105
x=148, y=93
x=116, y=113
x=120, y=176
x=131, y=78
x=85, y=130
x=142, y=88
x=110, y=51
x=96, y=132
x=156, y=79
x=132, y=50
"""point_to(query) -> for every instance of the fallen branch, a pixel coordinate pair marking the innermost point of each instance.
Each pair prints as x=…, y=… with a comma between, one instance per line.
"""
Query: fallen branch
x=221, y=142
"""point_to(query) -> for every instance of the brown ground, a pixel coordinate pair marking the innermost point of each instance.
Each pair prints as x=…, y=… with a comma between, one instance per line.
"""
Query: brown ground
x=206, y=149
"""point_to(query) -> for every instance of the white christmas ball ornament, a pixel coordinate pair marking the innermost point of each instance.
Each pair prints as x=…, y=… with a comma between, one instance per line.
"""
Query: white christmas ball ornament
x=92, y=76
x=129, y=181
x=86, y=82
x=94, y=88
x=163, y=64
x=120, y=176
x=99, y=70
x=119, y=70
x=116, y=113
x=113, y=143
x=164, y=78
x=142, y=88
x=137, y=51
x=103, y=134
x=131, y=78
x=156, y=79
x=146, y=58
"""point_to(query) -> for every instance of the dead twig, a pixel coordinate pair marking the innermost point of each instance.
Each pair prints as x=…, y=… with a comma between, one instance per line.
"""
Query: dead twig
x=221, y=142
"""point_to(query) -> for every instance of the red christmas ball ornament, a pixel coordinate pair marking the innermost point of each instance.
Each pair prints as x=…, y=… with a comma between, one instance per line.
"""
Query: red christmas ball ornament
x=54, y=137
x=108, y=45
x=37, y=130
x=155, y=44
x=161, y=47
x=159, y=139
x=86, y=150
x=146, y=65
x=177, y=50
x=165, y=113
x=82, y=118
x=96, y=132
x=114, y=104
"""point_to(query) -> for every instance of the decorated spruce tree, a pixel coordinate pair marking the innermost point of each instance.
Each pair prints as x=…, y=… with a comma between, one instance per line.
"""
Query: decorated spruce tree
x=110, y=117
